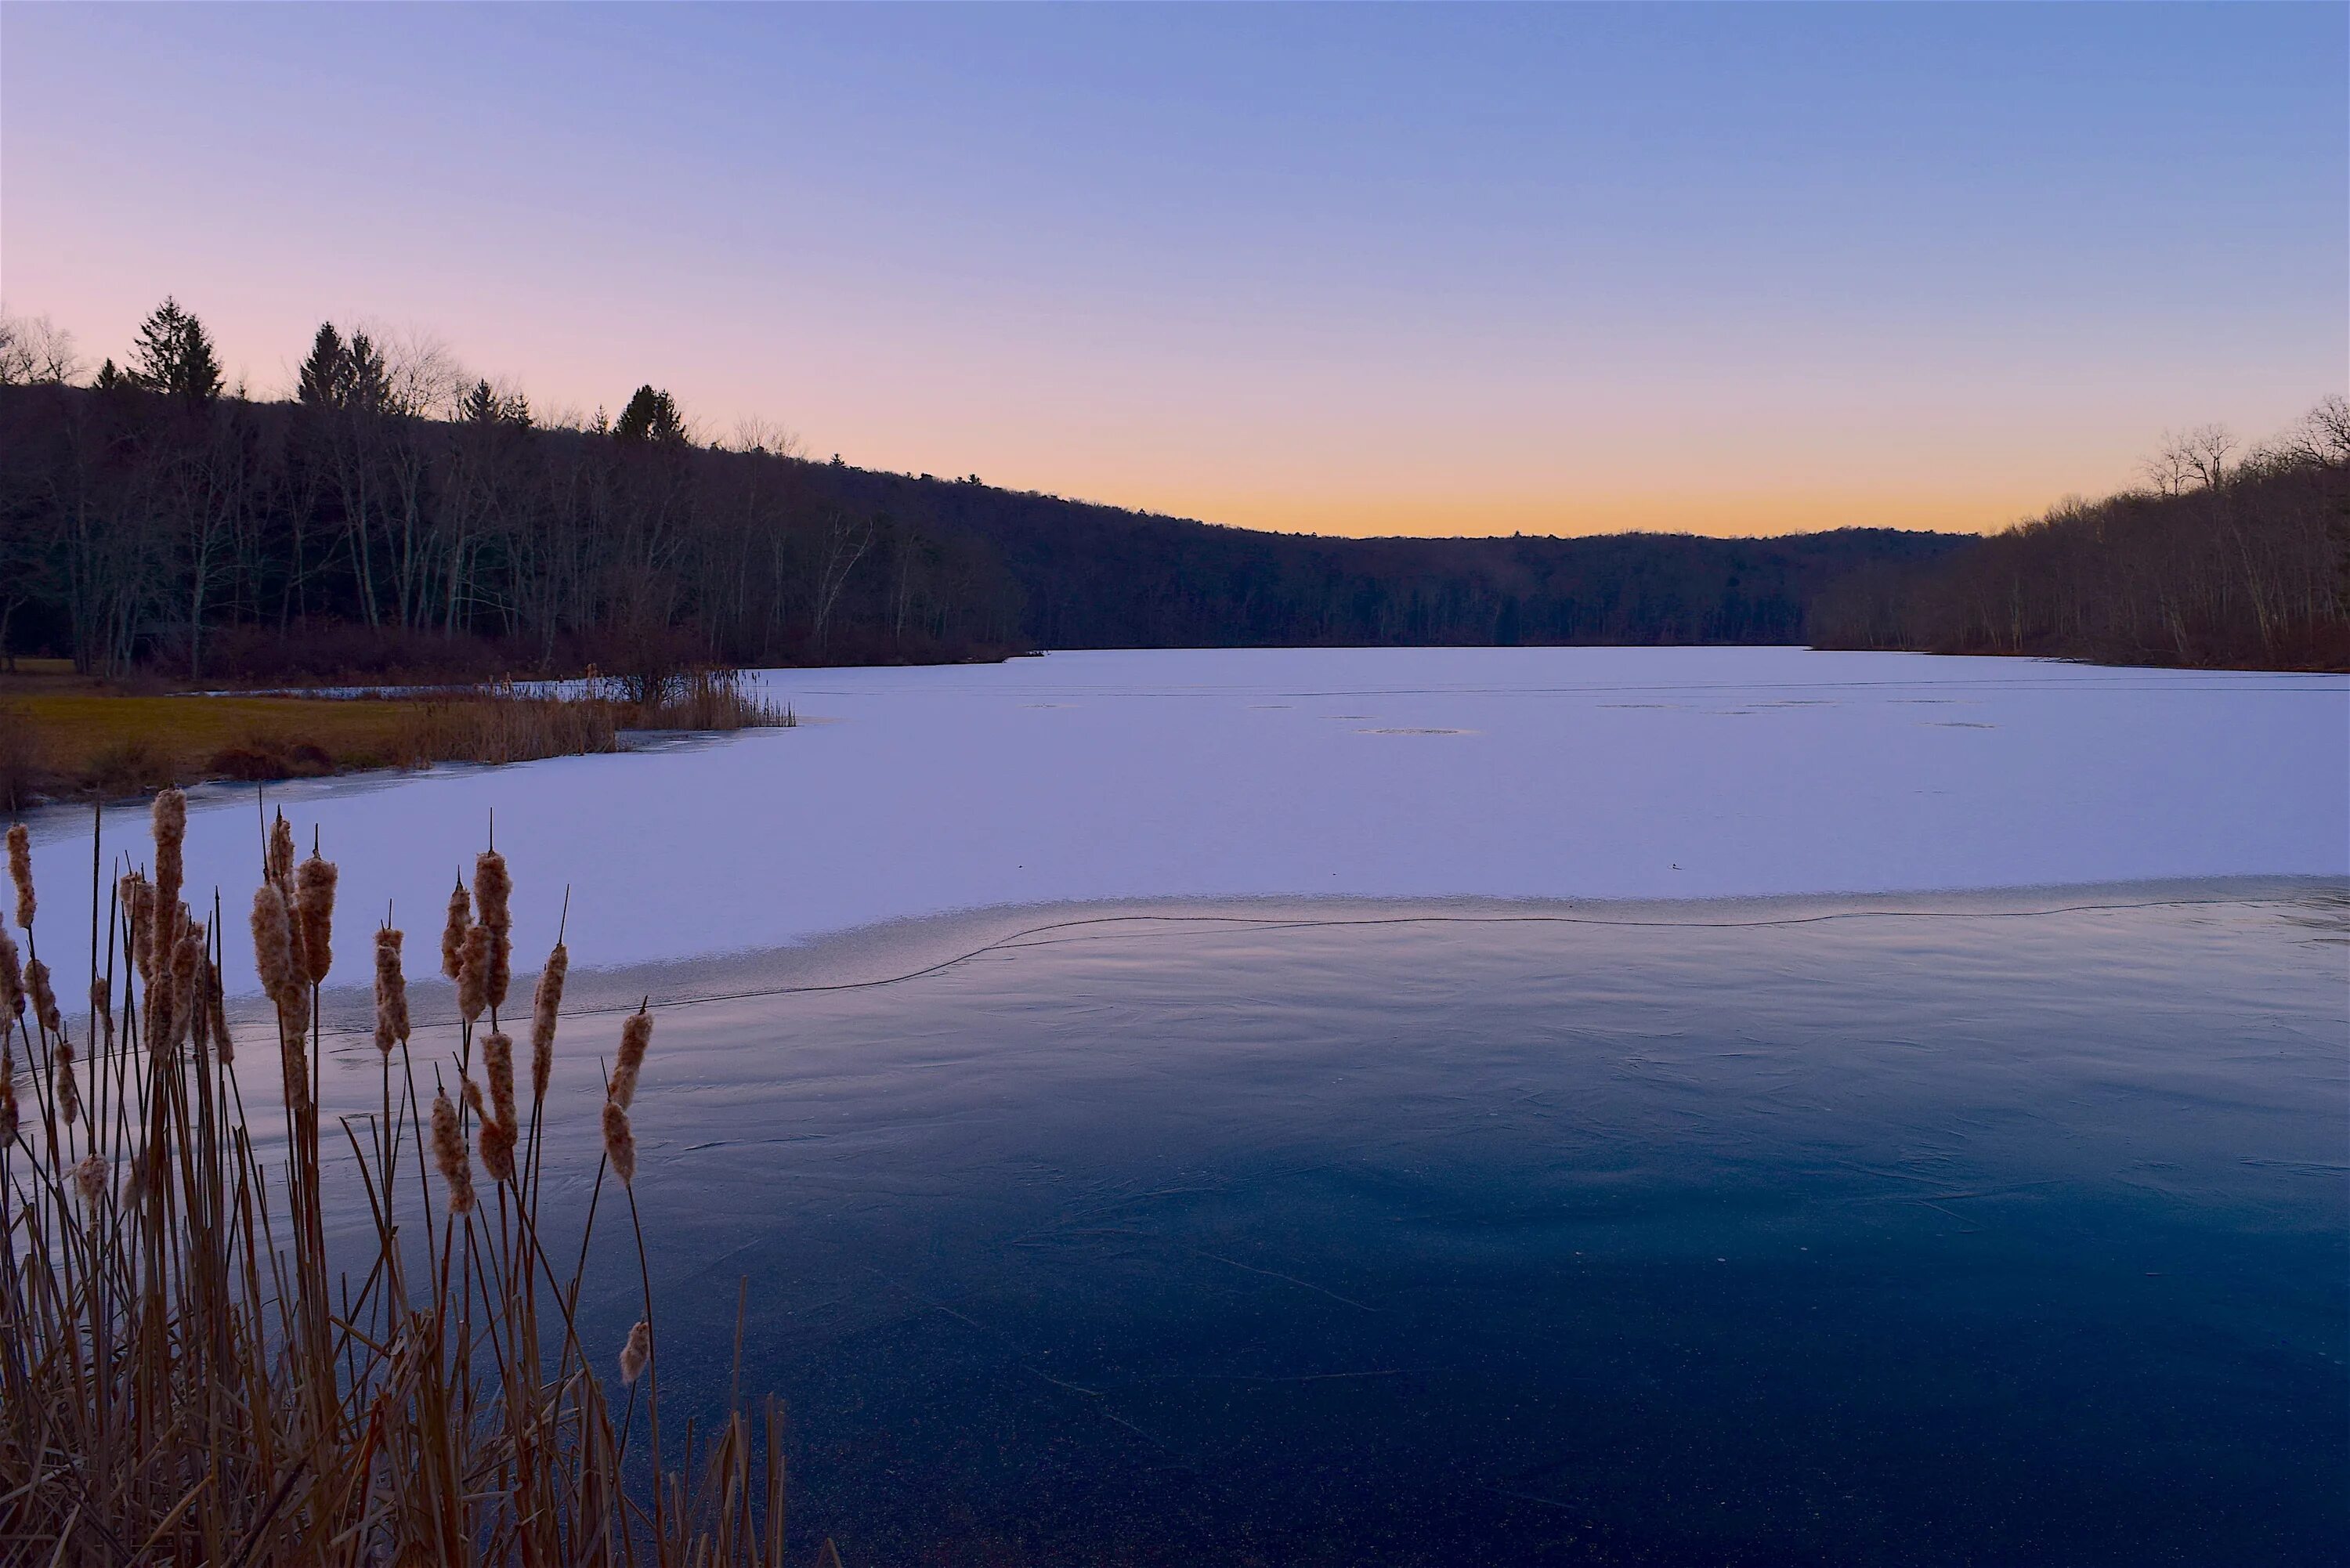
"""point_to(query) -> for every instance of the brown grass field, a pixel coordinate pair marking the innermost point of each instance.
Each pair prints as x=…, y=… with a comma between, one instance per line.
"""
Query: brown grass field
x=68, y=736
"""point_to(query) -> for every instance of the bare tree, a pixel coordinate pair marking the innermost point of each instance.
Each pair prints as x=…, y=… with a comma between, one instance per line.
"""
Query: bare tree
x=35, y=350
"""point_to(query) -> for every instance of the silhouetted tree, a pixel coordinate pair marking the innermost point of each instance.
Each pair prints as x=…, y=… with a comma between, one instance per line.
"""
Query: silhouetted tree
x=174, y=356
x=650, y=419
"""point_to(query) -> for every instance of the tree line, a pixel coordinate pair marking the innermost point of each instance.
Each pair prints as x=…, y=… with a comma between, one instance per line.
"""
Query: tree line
x=391, y=515
x=2225, y=556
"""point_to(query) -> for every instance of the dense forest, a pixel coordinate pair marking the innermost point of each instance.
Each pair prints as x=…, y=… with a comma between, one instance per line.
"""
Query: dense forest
x=2224, y=559
x=393, y=516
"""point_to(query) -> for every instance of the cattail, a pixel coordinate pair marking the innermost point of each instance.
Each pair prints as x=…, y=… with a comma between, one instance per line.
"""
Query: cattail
x=314, y=903
x=619, y=1143
x=138, y=896
x=546, y=1001
x=20, y=871
x=102, y=1002
x=45, y=999
x=492, y=895
x=636, y=1353
x=474, y=973
x=187, y=970
x=472, y=1096
x=89, y=1175
x=171, y=821
x=498, y=1150
x=68, y=1092
x=8, y=1098
x=390, y=992
x=449, y=1154
x=273, y=943
x=278, y=858
x=453, y=935
x=216, y=1013
x=292, y=1024
x=12, y=982
x=636, y=1033
x=497, y=1060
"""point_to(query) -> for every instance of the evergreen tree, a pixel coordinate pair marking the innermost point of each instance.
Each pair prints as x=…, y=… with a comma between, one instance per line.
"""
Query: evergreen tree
x=111, y=379
x=326, y=376
x=371, y=379
x=651, y=419
x=174, y=356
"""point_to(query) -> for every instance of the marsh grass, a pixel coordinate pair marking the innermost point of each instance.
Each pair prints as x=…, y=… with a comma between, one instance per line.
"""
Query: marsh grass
x=189, y=1378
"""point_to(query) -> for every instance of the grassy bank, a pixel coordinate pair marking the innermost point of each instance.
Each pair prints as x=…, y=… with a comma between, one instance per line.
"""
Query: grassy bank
x=63, y=736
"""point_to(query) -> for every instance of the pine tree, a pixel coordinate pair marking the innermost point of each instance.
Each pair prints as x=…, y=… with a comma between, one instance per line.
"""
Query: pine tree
x=174, y=356
x=326, y=378
x=651, y=419
x=371, y=383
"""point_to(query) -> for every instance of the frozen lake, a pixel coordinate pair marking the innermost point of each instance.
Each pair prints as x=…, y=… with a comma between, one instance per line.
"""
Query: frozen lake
x=1456, y=1107
x=2000, y=1228
x=1511, y=772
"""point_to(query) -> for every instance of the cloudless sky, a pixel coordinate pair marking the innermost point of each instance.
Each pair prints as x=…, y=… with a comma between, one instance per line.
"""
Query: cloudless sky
x=1357, y=269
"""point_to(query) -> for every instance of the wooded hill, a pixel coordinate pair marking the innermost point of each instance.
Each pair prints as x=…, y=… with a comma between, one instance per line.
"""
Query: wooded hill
x=2221, y=561
x=221, y=538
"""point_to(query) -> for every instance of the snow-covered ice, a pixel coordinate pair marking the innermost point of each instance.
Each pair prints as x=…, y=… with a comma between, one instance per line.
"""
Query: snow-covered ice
x=1539, y=773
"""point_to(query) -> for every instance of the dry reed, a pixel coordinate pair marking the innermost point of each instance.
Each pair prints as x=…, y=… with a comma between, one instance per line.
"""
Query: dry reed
x=185, y=1379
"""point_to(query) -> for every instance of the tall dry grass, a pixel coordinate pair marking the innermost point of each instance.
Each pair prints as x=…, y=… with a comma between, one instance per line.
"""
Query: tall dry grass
x=190, y=1377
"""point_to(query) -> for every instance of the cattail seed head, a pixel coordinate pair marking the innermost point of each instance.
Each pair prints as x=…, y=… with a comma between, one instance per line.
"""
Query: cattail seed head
x=12, y=982
x=20, y=871
x=474, y=973
x=216, y=1013
x=449, y=1154
x=492, y=891
x=619, y=1143
x=277, y=860
x=293, y=1023
x=137, y=896
x=636, y=1035
x=453, y=935
x=314, y=902
x=390, y=992
x=89, y=1175
x=472, y=1096
x=7, y=1099
x=636, y=1353
x=68, y=1092
x=498, y=1150
x=273, y=942
x=102, y=1002
x=170, y=822
x=187, y=970
x=44, y=999
x=545, y=1002
x=497, y=1060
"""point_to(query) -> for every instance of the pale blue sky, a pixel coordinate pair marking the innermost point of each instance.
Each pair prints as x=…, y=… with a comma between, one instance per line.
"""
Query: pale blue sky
x=1351, y=267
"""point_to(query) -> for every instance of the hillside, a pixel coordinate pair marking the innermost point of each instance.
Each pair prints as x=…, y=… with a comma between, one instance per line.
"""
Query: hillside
x=221, y=538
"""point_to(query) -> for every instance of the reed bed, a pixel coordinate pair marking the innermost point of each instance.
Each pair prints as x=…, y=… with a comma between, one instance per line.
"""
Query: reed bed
x=187, y=1375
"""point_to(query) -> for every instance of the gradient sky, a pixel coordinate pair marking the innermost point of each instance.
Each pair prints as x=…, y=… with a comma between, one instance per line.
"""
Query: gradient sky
x=1355, y=269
